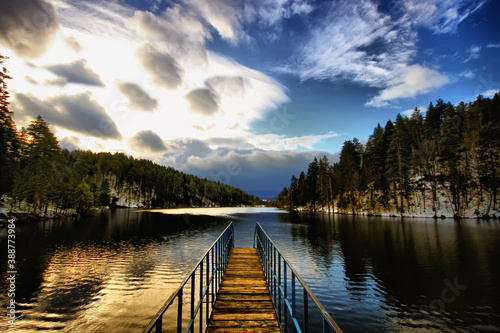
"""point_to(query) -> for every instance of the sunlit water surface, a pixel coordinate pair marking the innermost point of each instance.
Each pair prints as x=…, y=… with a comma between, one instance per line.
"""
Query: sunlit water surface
x=112, y=272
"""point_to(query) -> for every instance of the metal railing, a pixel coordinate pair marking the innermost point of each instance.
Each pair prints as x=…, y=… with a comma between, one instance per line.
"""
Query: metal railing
x=201, y=286
x=281, y=279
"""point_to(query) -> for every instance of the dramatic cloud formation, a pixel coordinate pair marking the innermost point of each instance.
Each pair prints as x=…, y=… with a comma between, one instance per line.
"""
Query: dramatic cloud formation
x=148, y=140
x=137, y=98
x=239, y=90
x=355, y=42
x=27, y=26
x=77, y=72
x=79, y=113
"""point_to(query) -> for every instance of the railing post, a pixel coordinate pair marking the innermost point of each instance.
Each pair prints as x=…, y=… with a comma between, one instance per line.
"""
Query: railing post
x=306, y=312
x=179, y=311
x=294, y=311
x=193, y=285
x=207, y=287
x=201, y=296
x=274, y=273
x=213, y=278
x=285, y=313
x=158, y=325
x=279, y=286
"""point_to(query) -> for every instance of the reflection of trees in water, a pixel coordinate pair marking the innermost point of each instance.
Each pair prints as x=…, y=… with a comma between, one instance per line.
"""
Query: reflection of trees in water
x=407, y=261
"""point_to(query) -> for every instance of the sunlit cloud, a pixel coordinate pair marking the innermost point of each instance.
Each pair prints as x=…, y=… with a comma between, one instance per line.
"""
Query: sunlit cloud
x=76, y=72
x=413, y=80
x=80, y=113
x=186, y=84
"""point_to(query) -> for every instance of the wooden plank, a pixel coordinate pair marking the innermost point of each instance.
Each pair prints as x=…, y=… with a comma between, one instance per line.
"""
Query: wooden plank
x=243, y=303
x=245, y=324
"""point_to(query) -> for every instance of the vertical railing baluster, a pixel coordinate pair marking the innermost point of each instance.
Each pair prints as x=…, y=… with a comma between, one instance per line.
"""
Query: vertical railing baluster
x=207, y=287
x=306, y=312
x=179, y=311
x=285, y=312
x=158, y=325
x=279, y=287
x=213, y=278
x=201, y=296
x=294, y=313
x=274, y=274
x=193, y=278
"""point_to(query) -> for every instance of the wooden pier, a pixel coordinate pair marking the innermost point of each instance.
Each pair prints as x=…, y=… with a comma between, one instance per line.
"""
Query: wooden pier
x=244, y=303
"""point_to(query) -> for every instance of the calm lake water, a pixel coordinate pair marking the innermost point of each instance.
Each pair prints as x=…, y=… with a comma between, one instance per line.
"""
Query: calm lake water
x=113, y=271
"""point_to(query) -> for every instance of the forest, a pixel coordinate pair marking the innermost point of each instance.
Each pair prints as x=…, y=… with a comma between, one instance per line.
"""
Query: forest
x=446, y=163
x=37, y=174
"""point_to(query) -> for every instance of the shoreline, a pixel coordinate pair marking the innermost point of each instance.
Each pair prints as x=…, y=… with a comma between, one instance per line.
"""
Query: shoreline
x=398, y=215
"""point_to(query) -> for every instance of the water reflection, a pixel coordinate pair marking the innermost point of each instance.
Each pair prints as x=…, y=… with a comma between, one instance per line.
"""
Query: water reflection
x=113, y=271
x=405, y=274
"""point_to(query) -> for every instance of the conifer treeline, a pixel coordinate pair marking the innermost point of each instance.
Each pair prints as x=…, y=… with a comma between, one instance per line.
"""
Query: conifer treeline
x=35, y=171
x=454, y=151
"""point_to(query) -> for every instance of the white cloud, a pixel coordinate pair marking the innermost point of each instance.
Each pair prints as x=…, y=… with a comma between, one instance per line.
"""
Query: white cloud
x=495, y=46
x=440, y=16
x=280, y=142
x=469, y=74
x=473, y=52
x=414, y=80
x=409, y=112
x=355, y=42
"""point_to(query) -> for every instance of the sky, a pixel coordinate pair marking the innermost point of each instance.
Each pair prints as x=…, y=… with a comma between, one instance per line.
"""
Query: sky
x=242, y=92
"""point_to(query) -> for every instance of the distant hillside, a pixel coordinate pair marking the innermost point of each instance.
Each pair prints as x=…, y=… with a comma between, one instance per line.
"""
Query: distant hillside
x=37, y=175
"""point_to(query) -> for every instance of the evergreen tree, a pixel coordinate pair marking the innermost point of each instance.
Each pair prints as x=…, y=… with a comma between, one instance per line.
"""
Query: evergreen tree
x=38, y=180
x=350, y=166
x=324, y=186
x=399, y=159
x=9, y=143
x=312, y=182
x=489, y=161
x=374, y=166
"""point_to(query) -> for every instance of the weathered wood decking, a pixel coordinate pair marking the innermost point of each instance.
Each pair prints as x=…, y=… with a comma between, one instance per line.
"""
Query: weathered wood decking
x=244, y=303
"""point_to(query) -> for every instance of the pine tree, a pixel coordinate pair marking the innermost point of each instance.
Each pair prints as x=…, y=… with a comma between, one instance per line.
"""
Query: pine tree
x=38, y=180
x=399, y=159
x=324, y=187
x=9, y=143
x=312, y=183
x=489, y=161
x=350, y=167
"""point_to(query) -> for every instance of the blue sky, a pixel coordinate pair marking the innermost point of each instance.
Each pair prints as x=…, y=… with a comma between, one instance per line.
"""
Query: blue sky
x=243, y=92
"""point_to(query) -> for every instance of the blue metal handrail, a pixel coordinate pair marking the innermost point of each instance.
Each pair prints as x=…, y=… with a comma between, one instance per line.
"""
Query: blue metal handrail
x=276, y=269
x=215, y=260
